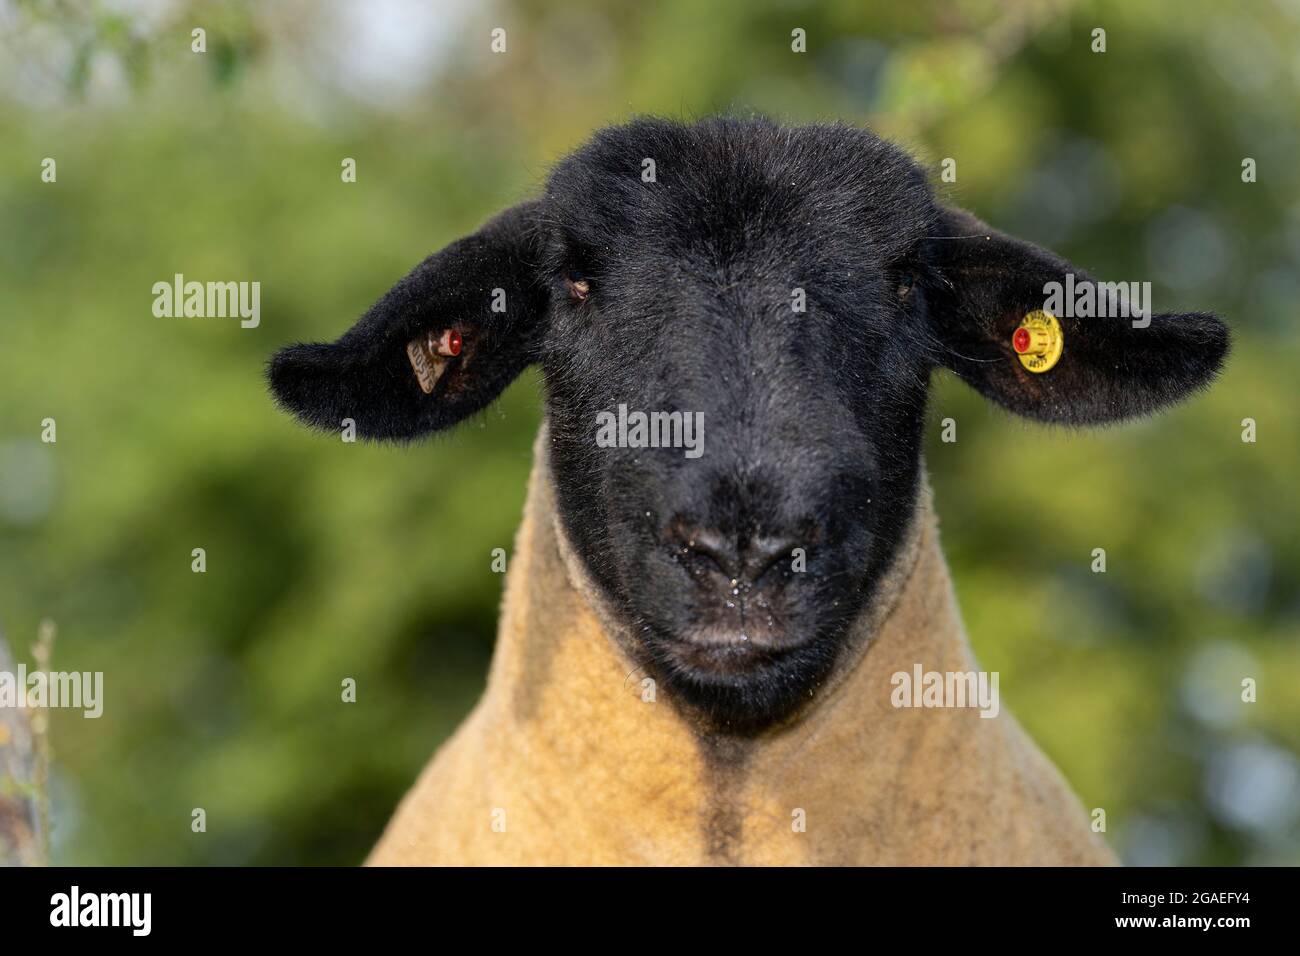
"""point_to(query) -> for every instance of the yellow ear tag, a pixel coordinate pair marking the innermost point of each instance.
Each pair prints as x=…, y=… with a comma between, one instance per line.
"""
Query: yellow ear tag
x=1039, y=341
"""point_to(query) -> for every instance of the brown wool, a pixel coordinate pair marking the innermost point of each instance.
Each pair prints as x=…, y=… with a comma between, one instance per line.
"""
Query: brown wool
x=564, y=760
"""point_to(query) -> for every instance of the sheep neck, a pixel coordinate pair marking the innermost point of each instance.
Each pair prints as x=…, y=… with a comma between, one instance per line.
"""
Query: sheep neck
x=565, y=759
x=562, y=675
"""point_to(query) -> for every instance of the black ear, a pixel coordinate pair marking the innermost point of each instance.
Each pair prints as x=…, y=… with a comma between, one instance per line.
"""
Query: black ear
x=482, y=295
x=981, y=284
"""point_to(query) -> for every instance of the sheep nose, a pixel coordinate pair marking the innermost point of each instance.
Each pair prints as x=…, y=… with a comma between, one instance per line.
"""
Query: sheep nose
x=722, y=560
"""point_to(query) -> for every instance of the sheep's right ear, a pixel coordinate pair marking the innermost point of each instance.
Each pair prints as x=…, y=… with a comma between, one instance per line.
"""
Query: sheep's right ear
x=1110, y=367
x=481, y=295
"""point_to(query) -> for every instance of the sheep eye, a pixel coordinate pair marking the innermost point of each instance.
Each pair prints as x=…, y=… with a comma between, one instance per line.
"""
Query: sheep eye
x=906, y=283
x=578, y=285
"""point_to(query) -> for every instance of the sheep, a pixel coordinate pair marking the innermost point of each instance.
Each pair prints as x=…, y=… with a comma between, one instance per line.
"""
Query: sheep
x=698, y=657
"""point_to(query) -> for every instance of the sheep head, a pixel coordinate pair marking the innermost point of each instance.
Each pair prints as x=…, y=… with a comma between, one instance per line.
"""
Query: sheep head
x=768, y=303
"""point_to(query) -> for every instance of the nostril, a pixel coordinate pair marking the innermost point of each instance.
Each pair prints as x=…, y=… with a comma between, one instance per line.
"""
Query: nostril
x=716, y=552
x=739, y=560
x=762, y=555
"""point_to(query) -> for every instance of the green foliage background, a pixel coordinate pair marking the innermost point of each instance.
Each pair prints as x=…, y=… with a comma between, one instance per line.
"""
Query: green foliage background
x=328, y=560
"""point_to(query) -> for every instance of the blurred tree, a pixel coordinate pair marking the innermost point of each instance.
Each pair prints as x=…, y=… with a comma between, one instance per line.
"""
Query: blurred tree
x=329, y=561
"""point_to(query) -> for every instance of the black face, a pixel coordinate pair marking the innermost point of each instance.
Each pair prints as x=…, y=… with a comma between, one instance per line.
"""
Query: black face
x=761, y=287
x=785, y=291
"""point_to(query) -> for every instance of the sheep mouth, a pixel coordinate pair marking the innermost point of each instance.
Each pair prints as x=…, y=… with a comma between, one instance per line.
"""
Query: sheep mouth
x=717, y=650
x=752, y=637
x=739, y=675
x=737, y=687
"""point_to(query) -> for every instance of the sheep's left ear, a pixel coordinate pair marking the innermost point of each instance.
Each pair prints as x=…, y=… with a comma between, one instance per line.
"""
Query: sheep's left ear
x=440, y=345
x=984, y=283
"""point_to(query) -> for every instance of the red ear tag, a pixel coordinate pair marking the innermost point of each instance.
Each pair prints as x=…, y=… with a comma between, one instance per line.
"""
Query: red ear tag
x=1038, y=342
x=447, y=344
x=429, y=354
